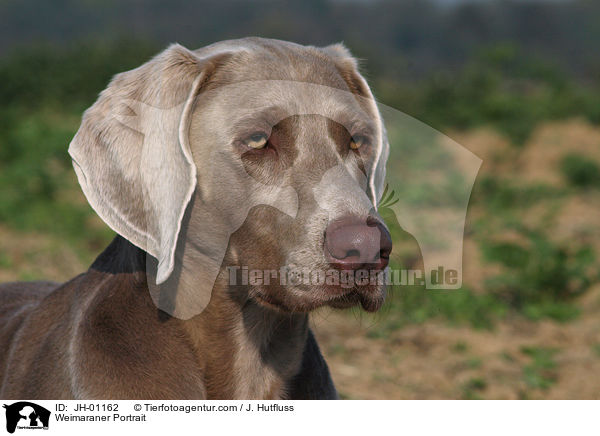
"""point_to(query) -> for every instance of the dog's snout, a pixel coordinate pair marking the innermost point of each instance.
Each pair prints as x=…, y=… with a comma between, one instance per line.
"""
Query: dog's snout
x=352, y=244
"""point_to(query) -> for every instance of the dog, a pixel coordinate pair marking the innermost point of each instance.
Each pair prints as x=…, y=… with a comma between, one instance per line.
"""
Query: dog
x=245, y=155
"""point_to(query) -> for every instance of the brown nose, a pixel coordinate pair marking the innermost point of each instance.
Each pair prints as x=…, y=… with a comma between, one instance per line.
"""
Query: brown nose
x=352, y=244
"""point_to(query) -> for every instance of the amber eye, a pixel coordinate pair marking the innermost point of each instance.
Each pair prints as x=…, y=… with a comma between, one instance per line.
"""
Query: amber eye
x=357, y=142
x=257, y=140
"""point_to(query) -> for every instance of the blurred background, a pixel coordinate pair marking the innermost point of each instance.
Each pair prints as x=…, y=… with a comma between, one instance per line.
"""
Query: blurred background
x=515, y=82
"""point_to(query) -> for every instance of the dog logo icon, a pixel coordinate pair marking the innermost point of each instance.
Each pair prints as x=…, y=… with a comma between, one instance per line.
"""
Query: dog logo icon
x=26, y=415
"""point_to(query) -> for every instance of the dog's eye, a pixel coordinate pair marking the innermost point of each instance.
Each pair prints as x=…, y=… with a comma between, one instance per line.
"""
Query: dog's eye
x=357, y=142
x=257, y=140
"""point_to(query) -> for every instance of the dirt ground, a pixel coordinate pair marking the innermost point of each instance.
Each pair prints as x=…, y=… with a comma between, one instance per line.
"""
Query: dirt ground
x=436, y=361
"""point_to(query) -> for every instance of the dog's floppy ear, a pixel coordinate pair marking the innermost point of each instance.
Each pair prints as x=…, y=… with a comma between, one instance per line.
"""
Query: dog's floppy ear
x=131, y=152
x=378, y=181
x=348, y=68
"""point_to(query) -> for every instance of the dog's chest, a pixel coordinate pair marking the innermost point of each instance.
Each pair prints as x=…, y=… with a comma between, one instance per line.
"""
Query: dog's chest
x=262, y=369
x=253, y=377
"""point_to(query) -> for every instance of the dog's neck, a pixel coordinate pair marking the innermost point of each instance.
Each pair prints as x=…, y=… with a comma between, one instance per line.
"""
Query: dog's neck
x=244, y=350
x=248, y=351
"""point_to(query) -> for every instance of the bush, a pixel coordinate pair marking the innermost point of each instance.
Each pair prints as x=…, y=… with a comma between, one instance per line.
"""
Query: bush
x=540, y=278
x=580, y=170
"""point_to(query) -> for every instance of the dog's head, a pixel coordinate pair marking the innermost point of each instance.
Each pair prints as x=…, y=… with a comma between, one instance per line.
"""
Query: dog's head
x=261, y=158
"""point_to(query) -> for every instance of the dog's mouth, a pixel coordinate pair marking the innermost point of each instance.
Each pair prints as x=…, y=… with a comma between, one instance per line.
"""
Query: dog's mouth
x=370, y=298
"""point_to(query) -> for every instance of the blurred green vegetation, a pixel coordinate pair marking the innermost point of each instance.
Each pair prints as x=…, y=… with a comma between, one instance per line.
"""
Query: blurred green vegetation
x=540, y=277
x=580, y=171
x=540, y=373
x=43, y=94
x=500, y=86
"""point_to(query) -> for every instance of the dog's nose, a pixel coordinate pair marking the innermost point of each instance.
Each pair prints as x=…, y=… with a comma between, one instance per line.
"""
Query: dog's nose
x=352, y=244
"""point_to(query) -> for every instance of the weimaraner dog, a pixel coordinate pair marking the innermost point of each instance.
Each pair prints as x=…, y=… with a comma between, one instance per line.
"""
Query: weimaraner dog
x=167, y=156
